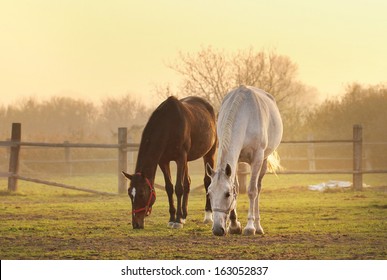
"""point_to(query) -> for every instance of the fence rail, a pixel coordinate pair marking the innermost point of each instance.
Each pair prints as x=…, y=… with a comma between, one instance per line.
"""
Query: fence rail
x=64, y=145
x=123, y=148
x=15, y=144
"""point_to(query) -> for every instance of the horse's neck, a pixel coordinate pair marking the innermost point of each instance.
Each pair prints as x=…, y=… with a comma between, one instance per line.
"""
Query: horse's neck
x=229, y=152
x=149, y=170
x=147, y=162
x=232, y=130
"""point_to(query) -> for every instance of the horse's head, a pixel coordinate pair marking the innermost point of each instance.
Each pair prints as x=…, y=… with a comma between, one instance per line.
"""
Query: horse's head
x=222, y=194
x=143, y=196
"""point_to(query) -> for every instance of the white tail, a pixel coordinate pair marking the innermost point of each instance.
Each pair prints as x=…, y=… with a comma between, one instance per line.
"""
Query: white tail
x=274, y=162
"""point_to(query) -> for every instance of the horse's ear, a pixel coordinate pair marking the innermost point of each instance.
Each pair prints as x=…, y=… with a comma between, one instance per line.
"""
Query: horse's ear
x=127, y=175
x=228, y=170
x=209, y=170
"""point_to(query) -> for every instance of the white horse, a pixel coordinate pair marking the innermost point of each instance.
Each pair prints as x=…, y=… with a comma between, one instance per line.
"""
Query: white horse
x=249, y=130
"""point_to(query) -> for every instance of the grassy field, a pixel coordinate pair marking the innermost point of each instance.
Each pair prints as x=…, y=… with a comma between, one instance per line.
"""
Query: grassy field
x=41, y=222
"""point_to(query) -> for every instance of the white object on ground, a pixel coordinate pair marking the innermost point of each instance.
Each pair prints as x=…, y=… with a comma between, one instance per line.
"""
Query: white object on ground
x=330, y=185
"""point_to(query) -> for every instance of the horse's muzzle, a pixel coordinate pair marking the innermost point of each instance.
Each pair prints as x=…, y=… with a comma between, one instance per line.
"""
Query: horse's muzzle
x=138, y=222
x=137, y=226
x=219, y=224
x=218, y=231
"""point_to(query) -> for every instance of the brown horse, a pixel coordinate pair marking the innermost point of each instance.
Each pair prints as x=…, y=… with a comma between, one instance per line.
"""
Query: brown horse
x=181, y=131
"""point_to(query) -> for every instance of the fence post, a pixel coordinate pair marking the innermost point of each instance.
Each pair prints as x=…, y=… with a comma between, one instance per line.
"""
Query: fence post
x=122, y=159
x=357, y=158
x=311, y=155
x=14, y=156
x=68, y=158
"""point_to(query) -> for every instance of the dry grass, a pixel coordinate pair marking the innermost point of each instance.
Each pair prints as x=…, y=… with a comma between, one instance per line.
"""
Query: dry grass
x=41, y=222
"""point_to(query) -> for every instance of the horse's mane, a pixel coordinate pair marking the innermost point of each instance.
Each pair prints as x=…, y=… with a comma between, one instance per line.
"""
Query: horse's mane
x=229, y=116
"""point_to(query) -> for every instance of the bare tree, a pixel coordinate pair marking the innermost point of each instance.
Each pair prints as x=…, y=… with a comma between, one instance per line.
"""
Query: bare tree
x=164, y=91
x=272, y=72
x=206, y=74
x=211, y=73
x=122, y=111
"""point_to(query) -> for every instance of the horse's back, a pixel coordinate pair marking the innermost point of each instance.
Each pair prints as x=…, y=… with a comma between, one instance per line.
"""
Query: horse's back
x=248, y=94
x=186, y=124
x=195, y=103
x=254, y=114
x=269, y=113
x=201, y=124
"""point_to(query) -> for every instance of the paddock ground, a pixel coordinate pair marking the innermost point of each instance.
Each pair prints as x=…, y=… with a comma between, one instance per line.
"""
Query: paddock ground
x=41, y=222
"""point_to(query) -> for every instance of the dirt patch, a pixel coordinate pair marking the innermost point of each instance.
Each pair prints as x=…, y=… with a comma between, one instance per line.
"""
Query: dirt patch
x=296, y=246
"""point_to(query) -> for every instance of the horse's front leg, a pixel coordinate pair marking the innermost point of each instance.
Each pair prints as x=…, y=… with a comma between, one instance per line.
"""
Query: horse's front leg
x=179, y=191
x=253, y=196
x=208, y=159
x=235, y=226
x=169, y=189
x=258, y=227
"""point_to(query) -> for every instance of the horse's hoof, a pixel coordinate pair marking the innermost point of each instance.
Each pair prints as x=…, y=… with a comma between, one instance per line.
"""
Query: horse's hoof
x=259, y=231
x=170, y=224
x=177, y=225
x=249, y=231
x=236, y=229
x=182, y=221
x=208, y=218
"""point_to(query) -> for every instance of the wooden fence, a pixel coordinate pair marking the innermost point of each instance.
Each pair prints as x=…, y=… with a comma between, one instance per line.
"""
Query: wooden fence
x=122, y=147
x=357, y=170
x=15, y=144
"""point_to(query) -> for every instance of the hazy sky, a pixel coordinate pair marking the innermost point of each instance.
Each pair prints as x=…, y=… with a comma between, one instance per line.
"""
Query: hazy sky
x=97, y=48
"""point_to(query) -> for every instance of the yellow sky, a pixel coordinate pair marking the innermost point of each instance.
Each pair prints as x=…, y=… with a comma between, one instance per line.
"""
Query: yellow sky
x=96, y=48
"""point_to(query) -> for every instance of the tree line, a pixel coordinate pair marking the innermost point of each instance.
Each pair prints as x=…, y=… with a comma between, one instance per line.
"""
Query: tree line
x=209, y=73
x=75, y=120
x=364, y=105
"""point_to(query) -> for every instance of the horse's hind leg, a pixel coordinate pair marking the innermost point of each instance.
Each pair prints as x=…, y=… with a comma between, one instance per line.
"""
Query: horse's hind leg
x=208, y=158
x=258, y=227
x=179, y=191
x=187, y=186
x=169, y=189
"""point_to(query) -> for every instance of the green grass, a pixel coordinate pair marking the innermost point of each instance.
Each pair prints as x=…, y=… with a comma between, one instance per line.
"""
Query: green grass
x=42, y=222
